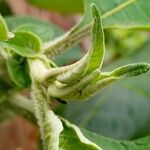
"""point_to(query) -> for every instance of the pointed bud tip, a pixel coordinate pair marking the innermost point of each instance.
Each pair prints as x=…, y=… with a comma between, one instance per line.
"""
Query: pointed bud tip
x=95, y=10
x=132, y=70
x=146, y=66
x=93, y=5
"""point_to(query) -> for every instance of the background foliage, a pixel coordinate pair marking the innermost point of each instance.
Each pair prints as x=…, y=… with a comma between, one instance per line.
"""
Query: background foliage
x=122, y=110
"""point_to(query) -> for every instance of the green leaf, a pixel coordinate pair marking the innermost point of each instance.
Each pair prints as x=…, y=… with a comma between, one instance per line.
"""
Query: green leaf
x=18, y=70
x=53, y=128
x=131, y=70
x=4, y=32
x=44, y=32
x=111, y=144
x=114, y=112
x=71, y=92
x=124, y=14
x=107, y=78
x=26, y=44
x=47, y=32
x=121, y=13
x=97, y=49
x=93, y=59
x=77, y=71
x=72, y=138
x=66, y=7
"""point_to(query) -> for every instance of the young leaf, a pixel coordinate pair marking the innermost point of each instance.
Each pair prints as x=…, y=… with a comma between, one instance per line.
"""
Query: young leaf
x=70, y=92
x=24, y=43
x=97, y=45
x=90, y=85
x=108, y=78
x=48, y=73
x=131, y=70
x=94, y=57
x=4, y=32
x=74, y=74
x=18, y=70
x=94, y=88
x=79, y=141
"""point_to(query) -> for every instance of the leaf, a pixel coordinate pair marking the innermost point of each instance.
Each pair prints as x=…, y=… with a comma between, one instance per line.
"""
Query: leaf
x=66, y=7
x=19, y=71
x=114, y=112
x=54, y=127
x=77, y=71
x=26, y=44
x=72, y=138
x=109, y=77
x=93, y=59
x=47, y=32
x=131, y=70
x=124, y=14
x=4, y=32
x=97, y=49
x=121, y=13
x=71, y=92
x=111, y=144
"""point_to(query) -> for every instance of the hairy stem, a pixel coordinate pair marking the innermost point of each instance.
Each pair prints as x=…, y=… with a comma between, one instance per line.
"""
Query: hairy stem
x=70, y=38
x=20, y=105
x=49, y=123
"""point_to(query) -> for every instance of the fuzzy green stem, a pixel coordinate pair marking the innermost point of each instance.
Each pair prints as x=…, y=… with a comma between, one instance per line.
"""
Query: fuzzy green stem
x=21, y=106
x=50, y=125
x=70, y=38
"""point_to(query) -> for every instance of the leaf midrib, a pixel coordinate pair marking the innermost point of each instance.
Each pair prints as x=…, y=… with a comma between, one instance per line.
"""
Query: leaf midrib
x=118, y=8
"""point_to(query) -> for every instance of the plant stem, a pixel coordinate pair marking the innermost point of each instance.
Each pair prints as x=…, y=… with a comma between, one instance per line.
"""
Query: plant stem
x=21, y=106
x=65, y=41
x=50, y=125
